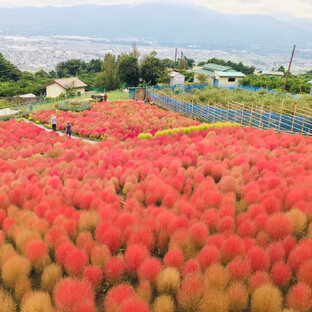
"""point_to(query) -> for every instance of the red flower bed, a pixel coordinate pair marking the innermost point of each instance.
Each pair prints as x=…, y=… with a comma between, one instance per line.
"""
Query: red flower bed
x=120, y=120
x=209, y=219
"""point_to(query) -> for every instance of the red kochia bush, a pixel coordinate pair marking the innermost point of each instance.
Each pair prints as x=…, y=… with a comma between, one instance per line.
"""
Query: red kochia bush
x=207, y=256
x=257, y=279
x=36, y=250
x=116, y=296
x=191, y=292
x=111, y=237
x=69, y=294
x=93, y=274
x=174, y=258
x=134, y=256
x=258, y=259
x=211, y=217
x=276, y=252
x=134, y=305
x=238, y=269
x=7, y=223
x=63, y=250
x=75, y=261
x=142, y=236
x=305, y=273
x=149, y=269
x=281, y=274
x=232, y=247
x=279, y=226
x=191, y=266
x=199, y=233
x=114, y=269
x=299, y=297
x=2, y=215
x=298, y=256
x=226, y=224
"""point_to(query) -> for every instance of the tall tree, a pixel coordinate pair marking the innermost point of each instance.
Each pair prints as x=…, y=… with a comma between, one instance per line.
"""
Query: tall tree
x=8, y=71
x=69, y=68
x=152, y=68
x=128, y=70
x=108, y=78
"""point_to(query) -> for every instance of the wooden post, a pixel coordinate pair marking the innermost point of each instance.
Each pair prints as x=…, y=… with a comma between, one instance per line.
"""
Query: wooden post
x=242, y=112
x=303, y=122
x=250, y=116
x=269, y=122
x=293, y=121
x=280, y=119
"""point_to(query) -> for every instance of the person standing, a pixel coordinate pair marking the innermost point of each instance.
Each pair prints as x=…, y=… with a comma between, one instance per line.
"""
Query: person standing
x=68, y=129
x=53, y=122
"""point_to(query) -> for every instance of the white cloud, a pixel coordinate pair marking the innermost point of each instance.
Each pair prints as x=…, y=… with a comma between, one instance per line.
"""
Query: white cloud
x=297, y=8
x=61, y=3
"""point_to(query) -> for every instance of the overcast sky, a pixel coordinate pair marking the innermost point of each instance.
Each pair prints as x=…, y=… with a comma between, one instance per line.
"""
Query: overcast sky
x=297, y=8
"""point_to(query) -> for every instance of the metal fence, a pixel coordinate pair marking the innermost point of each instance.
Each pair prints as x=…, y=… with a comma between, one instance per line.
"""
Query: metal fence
x=297, y=121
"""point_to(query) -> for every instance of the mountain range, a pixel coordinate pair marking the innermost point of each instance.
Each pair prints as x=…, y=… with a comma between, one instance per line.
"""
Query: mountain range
x=161, y=23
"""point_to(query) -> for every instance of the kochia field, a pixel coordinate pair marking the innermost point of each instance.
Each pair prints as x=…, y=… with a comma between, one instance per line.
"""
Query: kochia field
x=215, y=220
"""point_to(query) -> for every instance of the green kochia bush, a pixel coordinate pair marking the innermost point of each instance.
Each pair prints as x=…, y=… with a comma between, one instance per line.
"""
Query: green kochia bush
x=74, y=106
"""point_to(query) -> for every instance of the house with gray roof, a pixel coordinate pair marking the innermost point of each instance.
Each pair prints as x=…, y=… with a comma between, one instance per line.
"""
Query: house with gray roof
x=218, y=74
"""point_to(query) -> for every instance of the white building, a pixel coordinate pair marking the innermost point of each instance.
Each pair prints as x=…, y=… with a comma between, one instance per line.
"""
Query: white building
x=176, y=79
x=218, y=75
x=65, y=86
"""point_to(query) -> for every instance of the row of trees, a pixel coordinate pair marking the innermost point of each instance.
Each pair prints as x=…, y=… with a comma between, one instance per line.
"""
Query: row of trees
x=110, y=73
x=129, y=70
x=126, y=69
x=295, y=84
x=14, y=82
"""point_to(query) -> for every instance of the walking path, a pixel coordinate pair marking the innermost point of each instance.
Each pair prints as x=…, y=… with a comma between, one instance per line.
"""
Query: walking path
x=60, y=133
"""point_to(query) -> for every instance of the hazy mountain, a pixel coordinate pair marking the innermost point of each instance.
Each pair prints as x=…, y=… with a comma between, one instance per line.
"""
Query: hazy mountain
x=166, y=24
x=304, y=23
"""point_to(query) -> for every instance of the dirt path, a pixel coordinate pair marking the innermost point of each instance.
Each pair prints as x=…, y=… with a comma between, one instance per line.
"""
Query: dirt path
x=60, y=133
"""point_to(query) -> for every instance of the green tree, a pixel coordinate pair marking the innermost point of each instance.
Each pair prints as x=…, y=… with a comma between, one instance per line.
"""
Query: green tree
x=165, y=77
x=52, y=74
x=152, y=68
x=42, y=74
x=108, y=78
x=238, y=67
x=202, y=78
x=69, y=68
x=95, y=65
x=202, y=63
x=168, y=63
x=281, y=69
x=8, y=71
x=128, y=70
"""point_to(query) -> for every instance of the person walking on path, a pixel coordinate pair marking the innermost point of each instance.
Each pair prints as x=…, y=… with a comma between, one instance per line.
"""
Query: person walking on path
x=53, y=122
x=68, y=129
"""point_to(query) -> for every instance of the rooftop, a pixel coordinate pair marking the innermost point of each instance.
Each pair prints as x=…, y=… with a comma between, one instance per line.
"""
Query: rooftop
x=229, y=74
x=205, y=72
x=216, y=67
x=68, y=83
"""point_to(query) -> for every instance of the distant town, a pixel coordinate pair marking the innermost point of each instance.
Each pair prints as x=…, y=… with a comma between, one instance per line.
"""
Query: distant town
x=40, y=52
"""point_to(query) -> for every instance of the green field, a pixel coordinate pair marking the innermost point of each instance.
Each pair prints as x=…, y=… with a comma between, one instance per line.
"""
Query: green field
x=263, y=100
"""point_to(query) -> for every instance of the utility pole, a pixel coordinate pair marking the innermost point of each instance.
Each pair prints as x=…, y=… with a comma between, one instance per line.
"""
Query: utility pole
x=183, y=60
x=175, y=58
x=291, y=59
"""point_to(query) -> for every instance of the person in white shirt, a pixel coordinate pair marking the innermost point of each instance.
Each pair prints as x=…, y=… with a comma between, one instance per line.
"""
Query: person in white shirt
x=53, y=122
